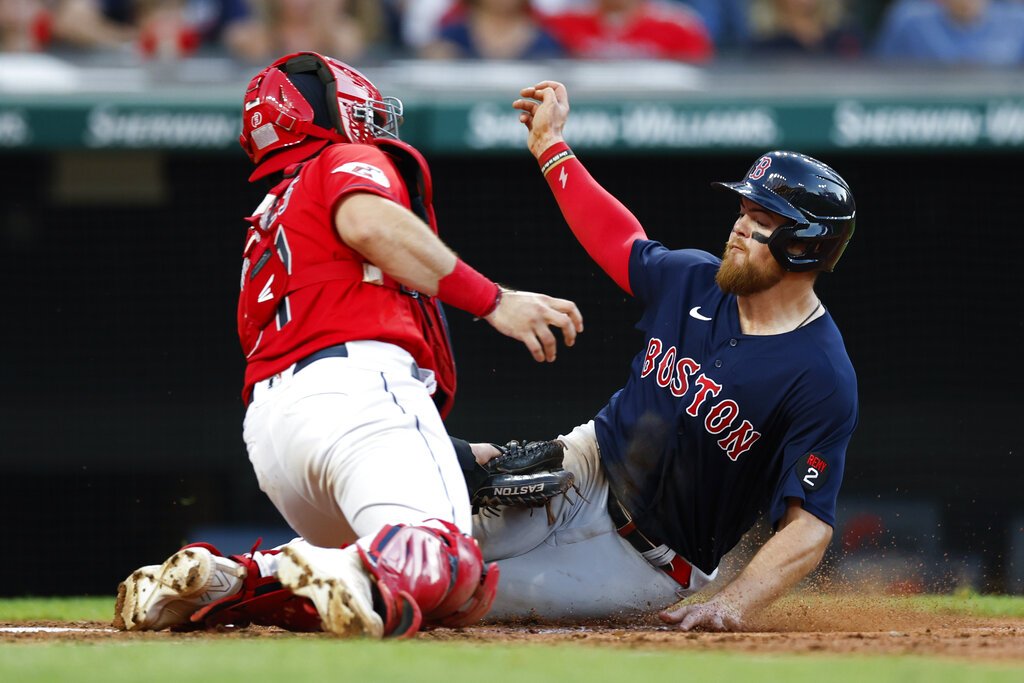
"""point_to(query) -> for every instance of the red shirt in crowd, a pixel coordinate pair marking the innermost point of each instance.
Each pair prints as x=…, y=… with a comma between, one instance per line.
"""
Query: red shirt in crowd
x=651, y=30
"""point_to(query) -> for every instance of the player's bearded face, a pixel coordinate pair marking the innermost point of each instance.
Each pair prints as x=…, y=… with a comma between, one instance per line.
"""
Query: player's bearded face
x=741, y=275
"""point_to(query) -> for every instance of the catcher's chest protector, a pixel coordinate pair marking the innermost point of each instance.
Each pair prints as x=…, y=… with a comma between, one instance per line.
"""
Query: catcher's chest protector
x=267, y=274
x=416, y=175
x=265, y=269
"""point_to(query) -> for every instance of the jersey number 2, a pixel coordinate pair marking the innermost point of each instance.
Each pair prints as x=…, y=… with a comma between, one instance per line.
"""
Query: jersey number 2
x=810, y=477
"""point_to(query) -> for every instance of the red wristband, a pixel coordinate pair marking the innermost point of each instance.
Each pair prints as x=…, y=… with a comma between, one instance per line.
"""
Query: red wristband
x=467, y=289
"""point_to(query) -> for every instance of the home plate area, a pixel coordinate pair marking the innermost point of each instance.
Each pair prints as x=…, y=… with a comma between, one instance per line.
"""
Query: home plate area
x=837, y=625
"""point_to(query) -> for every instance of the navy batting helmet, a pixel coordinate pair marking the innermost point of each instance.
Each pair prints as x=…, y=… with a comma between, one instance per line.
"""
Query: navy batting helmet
x=813, y=196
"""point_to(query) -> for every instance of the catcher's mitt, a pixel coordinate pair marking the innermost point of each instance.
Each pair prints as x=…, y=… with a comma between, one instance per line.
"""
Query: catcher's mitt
x=520, y=458
x=524, y=475
x=524, y=490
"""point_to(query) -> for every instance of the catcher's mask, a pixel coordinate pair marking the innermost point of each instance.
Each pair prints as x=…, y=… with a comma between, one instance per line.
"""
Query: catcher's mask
x=302, y=102
x=815, y=199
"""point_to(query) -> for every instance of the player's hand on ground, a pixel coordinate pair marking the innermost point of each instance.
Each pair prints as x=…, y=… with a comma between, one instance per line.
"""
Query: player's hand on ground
x=704, y=616
x=529, y=317
x=543, y=109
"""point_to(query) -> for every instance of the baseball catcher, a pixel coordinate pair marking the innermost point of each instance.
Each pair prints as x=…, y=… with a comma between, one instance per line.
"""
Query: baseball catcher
x=349, y=373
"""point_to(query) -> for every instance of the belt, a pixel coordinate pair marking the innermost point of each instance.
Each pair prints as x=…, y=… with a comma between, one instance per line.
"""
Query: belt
x=339, y=351
x=336, y=351
x=659, y=555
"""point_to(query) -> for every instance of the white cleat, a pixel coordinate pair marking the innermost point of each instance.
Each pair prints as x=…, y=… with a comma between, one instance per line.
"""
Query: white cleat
x=337, y=583
x=160, y=596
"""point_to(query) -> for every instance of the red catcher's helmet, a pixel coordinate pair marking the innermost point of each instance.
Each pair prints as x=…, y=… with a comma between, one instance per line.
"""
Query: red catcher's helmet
x=281, y=125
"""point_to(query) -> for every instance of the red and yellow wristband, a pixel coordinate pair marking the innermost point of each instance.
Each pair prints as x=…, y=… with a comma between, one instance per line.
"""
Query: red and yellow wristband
x=467, y=289
x=554, y=156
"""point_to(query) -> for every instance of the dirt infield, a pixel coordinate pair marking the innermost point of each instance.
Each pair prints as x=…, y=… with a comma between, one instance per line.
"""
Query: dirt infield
x=837, y=626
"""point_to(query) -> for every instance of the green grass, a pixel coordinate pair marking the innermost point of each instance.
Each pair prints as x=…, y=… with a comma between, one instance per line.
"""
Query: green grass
x=57, y=609
x=331, y=660
x=961, y=603
x=323, y=659
x=974, y=605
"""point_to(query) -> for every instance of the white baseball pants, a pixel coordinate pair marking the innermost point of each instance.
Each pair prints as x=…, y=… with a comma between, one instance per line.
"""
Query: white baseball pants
x=578, y=567
x=348, y=445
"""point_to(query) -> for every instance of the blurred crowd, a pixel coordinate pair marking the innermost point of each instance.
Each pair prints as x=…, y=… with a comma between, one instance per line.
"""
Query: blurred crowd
x=986, y=32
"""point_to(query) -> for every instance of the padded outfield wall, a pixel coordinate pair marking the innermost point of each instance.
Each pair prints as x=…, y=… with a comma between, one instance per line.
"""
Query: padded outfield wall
x=121, y=231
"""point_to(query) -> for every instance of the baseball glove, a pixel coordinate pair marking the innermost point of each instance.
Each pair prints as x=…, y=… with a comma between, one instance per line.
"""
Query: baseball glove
x=520, y=458
x=524, y=475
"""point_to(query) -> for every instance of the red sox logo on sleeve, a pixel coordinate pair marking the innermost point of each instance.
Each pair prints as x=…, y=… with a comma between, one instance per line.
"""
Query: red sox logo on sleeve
x=721, y=418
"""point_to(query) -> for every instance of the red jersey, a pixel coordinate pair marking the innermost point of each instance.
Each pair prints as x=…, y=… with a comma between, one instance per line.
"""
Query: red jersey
x=322, y=311
x=652, y=31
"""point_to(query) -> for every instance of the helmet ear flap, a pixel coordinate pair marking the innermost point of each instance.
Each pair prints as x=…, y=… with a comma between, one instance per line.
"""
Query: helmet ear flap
x=798, y=253
x=272, y=106
x=779, y=243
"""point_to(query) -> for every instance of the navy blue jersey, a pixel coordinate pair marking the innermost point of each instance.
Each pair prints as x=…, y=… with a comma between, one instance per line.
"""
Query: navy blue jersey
x=714, y=426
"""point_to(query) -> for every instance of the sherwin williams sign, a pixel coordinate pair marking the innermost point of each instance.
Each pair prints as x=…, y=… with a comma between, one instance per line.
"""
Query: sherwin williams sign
x=635, y=125
x=107, y=126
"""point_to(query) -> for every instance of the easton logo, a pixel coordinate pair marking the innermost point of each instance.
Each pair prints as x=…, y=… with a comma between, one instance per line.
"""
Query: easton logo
x=265, y=293
x=517, y=490
x=721, y=418
x=762, y=165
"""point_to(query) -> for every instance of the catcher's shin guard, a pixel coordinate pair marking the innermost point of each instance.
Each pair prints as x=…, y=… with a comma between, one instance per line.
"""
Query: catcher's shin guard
x=429, y=577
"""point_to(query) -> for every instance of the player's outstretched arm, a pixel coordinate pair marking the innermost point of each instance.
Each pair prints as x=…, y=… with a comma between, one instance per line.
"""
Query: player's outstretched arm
x=787, y=557
x=529, y=317
x=605, y=228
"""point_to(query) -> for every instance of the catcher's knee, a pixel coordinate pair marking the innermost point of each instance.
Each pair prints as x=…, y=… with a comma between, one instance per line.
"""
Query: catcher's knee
x=427, y=576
